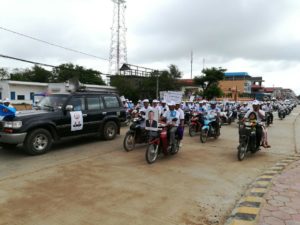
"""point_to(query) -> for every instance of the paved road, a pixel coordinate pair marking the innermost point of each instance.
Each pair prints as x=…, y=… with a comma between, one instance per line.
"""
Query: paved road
x=95, y=182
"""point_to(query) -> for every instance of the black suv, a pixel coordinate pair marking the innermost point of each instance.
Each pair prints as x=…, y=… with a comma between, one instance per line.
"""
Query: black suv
x=59, y=116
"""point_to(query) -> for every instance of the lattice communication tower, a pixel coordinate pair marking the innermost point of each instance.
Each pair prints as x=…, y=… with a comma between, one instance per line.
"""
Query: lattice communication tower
x=118, y=49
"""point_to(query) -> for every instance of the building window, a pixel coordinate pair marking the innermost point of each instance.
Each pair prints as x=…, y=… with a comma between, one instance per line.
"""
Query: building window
x=13, y=95
x=21, y=97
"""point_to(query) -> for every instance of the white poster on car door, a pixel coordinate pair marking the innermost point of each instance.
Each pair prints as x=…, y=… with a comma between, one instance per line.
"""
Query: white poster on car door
x=76, y=120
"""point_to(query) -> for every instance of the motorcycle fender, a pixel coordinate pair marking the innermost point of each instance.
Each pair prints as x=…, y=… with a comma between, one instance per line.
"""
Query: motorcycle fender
x=205, y=127
x=130, y=132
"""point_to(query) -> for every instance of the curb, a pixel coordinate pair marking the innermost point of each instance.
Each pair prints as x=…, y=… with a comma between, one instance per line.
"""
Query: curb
x=247, y=209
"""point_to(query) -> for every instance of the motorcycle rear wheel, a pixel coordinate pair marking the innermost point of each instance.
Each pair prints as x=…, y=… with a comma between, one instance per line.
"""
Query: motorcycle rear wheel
x=192, y=130
x=151, y=153
x=203, y=136
x=129, y=142
x=175, y=147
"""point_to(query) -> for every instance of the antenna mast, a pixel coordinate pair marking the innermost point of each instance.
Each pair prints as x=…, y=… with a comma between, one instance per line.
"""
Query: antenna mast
x=118, y=49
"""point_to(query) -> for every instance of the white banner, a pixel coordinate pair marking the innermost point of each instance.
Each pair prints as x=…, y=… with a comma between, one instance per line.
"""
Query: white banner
x=175, y=96
x=76, y=120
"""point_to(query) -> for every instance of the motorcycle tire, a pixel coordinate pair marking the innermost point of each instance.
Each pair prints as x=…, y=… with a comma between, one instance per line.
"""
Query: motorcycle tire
x=175, y=147
x=203, y=136
x=129, y=142
x=151, y=153
x=192, y=130
x=242, y=149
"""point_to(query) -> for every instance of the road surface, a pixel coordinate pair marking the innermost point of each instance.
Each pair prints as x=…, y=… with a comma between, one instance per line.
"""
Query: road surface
x=87, y=181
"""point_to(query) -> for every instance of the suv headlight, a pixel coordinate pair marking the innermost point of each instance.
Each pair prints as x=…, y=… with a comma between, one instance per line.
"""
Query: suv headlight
x=12, y=124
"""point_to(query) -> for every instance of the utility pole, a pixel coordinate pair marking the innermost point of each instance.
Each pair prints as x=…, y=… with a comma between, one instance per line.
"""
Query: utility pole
x=192, y=64
x=118, y=49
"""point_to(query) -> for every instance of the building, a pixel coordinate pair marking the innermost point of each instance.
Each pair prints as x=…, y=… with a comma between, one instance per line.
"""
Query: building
x=23, y=92
x=242, y=84
x=189, y=87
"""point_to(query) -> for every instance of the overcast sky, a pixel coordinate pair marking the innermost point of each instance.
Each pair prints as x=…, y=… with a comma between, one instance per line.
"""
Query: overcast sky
x=261, y=37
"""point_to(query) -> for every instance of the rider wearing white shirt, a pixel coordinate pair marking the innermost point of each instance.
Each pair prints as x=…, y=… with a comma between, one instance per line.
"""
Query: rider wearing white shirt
x=144, y=110
x=172, y=117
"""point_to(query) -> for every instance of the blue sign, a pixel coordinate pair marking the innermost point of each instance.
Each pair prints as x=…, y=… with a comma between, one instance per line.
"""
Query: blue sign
x=7, y=111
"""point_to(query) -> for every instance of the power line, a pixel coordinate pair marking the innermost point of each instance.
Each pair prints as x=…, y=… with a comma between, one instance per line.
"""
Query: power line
x=40, y=64
x=51, y=44
x=27, y=61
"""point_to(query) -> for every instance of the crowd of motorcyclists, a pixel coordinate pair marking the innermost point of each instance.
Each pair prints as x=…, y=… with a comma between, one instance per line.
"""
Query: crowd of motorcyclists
x=207, y=117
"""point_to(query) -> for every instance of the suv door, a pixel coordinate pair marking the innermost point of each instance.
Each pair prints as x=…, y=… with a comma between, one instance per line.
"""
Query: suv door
x=78, y=103
x=95, y=113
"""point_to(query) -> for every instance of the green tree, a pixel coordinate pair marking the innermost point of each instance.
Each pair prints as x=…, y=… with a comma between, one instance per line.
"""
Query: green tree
x=4, y=75
x=67, y=71
x=35, y=74
x=209, y=82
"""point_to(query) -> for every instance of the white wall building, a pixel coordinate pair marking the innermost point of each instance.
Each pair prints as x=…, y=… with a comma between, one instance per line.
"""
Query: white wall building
x=21, y=91
x=29, y=92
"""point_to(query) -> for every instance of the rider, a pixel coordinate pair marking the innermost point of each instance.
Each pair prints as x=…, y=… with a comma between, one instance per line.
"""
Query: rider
x=260, y=115
x=144, y=110
x=172, y=118
x=268, y=109
x=181, y=117
x=215, y=112
x=163, y=107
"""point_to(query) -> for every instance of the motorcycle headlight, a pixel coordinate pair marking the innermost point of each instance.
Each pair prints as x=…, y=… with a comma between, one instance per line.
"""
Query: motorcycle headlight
x=12, y=124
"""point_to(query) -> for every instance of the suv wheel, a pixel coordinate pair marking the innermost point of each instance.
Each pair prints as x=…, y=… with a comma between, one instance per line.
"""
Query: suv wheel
x=38, y=142
x=110, y=130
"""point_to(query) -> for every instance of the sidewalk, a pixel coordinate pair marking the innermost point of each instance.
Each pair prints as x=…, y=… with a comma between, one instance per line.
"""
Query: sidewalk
x=282, y=206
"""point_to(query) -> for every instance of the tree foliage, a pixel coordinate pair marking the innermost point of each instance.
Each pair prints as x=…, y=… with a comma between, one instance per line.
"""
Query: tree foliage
x=60, y=74
x=4, y=75
x=209, y=82
x=67, y=71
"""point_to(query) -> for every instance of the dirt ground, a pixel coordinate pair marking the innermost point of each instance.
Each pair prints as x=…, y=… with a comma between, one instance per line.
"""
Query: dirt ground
x=91, y=182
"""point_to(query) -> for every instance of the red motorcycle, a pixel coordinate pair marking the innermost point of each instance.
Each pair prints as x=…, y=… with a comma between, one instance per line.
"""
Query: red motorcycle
x=159, y=143
x=195, y=124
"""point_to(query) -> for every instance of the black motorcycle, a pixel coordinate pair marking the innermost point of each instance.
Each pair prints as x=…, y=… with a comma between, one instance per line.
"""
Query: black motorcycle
x=281, y=113
x=247, y=139
x=135, y=135
x=268, y=118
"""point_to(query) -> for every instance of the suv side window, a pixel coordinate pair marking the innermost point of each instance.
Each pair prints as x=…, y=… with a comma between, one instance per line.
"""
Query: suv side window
x=77, y=103
x=111, y=102
x=94, y=103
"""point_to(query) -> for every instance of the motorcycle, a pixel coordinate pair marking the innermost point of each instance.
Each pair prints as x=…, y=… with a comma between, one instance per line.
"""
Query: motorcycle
x=281, y=114
x=159, y=143
x=247, y=140
x=226, y=117
x=128, y=118
x=187, y=117
x=208, y=130
x=135, y=135
x=268, y=118
x=195, y=124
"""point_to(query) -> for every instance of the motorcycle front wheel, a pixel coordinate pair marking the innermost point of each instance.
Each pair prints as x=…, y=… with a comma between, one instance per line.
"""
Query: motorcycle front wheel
x=203, y=135
x=152, y=153
x=192, y=130
x=129, y=142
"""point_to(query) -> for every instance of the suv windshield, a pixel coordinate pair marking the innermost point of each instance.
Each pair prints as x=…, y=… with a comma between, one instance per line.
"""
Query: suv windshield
x=52, y=102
